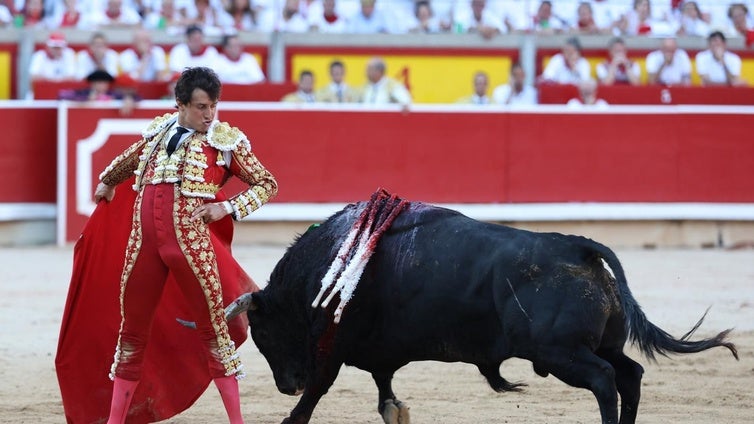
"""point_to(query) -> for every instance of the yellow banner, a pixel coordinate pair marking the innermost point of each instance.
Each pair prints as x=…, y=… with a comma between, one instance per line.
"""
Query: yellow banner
x=5, y=75
x=431, y=78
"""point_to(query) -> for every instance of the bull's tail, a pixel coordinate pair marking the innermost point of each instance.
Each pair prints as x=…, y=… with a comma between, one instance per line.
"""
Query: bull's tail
x=649, y=338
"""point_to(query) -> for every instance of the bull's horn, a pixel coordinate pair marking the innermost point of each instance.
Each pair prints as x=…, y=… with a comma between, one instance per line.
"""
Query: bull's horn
x=239, y=306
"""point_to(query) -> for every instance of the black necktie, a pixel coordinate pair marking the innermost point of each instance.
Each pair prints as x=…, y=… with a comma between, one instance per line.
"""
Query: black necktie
x=173, y=143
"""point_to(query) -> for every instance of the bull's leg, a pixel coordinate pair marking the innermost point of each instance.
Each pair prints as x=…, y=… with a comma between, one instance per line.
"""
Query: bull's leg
x=628, y=375
x=492, y=373
x=392, y=410
x=582, y=368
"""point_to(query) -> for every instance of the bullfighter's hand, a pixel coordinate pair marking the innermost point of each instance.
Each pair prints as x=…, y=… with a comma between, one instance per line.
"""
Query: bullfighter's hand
x=104, y=191
x=209, y=212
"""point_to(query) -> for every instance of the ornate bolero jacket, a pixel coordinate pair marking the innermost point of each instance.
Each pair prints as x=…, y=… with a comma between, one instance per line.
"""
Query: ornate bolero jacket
x=200, y=166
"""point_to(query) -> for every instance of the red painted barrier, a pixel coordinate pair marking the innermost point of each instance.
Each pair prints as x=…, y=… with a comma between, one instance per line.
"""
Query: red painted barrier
x=28, y=154
x=341, y=155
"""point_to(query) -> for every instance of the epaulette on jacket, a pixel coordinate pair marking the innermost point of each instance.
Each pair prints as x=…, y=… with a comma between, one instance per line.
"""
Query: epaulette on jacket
x=158, y=124
x=225, y=138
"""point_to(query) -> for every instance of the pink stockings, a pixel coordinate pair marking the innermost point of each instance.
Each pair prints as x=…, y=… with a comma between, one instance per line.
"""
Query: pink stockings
x=228, y=387
x=123, y=392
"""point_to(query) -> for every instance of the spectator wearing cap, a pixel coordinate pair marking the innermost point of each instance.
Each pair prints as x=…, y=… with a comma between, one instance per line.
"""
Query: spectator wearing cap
x=144, y=61
x=56, y=62
x=100, y=89
x=97, y=56
x=193, y=52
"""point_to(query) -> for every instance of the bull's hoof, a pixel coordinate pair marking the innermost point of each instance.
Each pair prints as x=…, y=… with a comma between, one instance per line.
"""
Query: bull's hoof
x=395, y=412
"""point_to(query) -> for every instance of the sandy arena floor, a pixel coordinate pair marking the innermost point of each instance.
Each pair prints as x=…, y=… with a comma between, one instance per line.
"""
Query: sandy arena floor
x=673, y=286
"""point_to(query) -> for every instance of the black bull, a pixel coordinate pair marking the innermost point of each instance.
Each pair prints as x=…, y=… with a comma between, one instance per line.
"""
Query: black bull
x=441, y=286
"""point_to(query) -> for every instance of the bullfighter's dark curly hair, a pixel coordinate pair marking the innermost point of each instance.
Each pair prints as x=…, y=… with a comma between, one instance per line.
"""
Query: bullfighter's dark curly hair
x=198, y=77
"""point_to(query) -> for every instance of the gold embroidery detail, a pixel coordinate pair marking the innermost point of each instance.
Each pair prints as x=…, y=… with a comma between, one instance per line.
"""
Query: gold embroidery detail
x=194, y=240
x=132, y=253
x=158, y=124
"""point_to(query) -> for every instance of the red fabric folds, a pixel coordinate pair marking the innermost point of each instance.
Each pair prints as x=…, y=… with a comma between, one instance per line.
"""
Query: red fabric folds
x=175, y=371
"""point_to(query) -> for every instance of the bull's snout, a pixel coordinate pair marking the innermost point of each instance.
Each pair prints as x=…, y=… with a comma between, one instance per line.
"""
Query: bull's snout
x=291, y=390
x=293, y=385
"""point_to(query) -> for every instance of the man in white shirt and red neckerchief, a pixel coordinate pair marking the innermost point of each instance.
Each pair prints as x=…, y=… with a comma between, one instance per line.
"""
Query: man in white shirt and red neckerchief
x=235, y=66
x=192, y=53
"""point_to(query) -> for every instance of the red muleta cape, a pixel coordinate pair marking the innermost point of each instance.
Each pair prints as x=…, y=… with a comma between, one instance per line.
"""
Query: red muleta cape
x=175, y=371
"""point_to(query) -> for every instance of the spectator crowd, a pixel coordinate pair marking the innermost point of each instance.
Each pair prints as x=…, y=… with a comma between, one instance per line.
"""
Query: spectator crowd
x=485, y=17
x=144, y=62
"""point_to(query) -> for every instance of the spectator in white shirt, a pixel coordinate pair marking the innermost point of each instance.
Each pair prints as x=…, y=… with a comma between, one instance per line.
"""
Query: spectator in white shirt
x=478, y=19
x=6, y=19
x=305, y=92
x=381, y=89
x=669, y=65
x=170, y=16
x=97, y=56
x=479, y=96
x=568, y=66
x=516, y=92
x=338, y=91
x=691, y=22
x=194, y=52
x=288, y=19
x=144, y=61
x=717, y=65
x=546, y=22
x=369, y=20
x=57, y=62
x=424, y=21
x=236, y=66
x=618, y=69
x=329, y=21
x=587, y=96
x=240, y=16
x=115, y=15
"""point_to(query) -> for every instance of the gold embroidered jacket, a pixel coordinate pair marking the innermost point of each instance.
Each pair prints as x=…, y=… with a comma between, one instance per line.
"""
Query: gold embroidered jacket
x=199, y=165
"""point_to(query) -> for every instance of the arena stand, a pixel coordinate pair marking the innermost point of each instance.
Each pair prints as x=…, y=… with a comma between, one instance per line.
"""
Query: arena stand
x=654, y=175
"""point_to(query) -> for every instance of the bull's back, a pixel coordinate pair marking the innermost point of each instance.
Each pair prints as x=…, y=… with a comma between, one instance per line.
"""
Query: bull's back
x=449, y=281
x=432, y=276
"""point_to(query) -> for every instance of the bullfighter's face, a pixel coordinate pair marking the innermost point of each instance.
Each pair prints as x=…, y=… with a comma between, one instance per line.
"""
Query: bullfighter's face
x=199, y=113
